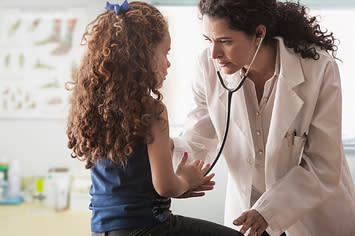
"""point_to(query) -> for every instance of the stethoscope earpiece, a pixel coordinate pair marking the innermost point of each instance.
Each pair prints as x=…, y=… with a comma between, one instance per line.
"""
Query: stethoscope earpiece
x=261, y=40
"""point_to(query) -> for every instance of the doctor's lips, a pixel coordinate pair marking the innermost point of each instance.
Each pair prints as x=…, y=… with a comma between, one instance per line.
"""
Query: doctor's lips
x=223, y=64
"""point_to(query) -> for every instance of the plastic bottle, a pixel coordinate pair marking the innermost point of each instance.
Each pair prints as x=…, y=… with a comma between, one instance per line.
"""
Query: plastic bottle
x=50, y=186
x=3, y=186
x=62, y=194
x=14, y=176
x=3, y=179
x=39, y=195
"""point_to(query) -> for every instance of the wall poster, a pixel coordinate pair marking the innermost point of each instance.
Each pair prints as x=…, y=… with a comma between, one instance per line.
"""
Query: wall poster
x=38, y=51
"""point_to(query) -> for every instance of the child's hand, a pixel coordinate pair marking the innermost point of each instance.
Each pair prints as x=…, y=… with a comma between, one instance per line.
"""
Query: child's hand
x=193, y=173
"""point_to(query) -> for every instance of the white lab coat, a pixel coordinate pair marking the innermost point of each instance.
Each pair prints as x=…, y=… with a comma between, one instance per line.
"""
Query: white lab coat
x=309, y=190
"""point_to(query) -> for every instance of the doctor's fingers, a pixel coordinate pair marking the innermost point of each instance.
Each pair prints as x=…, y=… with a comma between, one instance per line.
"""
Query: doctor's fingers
x=252, y=227
x=204, y=187
x=245, y=227
x=259, y=221
x=251, y=219
x=191, y=194
x=252, y=231
x=209, y=179
x=257, y=228
x=208, y=185
x=256, y=231
x=241, y=219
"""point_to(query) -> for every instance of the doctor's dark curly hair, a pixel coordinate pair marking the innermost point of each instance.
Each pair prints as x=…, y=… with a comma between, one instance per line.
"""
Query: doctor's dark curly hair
x=114, y=97
x=285, y=19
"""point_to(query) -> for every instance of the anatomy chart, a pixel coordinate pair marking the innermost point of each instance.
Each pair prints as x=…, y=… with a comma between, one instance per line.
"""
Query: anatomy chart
x=38, y=51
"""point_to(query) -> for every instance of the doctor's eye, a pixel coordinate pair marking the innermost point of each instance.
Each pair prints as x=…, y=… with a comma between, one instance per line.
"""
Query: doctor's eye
x=225, y=41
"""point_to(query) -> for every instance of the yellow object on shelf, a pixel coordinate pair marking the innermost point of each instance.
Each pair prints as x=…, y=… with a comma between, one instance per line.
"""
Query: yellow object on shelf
x=39, y=185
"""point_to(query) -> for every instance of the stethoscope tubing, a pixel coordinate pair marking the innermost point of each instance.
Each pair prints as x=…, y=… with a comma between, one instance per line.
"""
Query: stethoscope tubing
x=230, y=94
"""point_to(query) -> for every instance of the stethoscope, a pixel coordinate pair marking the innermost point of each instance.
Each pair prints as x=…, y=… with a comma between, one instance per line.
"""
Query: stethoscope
x=230, y=93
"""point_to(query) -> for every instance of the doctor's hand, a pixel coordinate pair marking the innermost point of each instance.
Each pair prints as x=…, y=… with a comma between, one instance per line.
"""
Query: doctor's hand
x=251, y=220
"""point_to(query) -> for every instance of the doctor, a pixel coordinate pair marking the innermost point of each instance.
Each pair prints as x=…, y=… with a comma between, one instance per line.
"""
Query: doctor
x=286, y=164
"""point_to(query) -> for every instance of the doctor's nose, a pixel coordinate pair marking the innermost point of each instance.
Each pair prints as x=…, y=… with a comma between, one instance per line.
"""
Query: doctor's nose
x=216, y=51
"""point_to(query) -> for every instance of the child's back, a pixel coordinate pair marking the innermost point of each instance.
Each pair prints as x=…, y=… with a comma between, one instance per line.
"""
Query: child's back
x=124, y=197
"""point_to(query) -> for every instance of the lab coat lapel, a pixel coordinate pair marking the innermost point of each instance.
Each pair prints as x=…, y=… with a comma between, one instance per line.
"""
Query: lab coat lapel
x=287, y=103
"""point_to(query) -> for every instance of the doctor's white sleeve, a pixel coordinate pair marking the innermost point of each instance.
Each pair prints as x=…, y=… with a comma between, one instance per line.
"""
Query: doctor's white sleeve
x=199, y=138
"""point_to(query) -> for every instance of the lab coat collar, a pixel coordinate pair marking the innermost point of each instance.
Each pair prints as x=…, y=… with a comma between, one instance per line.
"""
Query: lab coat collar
x=290, y=65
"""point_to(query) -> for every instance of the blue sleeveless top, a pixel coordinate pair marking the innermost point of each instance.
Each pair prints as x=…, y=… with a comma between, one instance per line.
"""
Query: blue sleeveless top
x=124, y=197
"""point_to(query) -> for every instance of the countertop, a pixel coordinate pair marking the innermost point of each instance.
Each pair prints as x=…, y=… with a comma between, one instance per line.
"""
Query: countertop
x=34, y=219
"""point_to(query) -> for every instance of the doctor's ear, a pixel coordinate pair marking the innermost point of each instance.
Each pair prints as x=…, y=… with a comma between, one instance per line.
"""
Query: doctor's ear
x=260, y=31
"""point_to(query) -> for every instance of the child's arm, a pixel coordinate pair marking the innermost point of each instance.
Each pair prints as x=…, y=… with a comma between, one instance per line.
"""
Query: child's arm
x=165, y=181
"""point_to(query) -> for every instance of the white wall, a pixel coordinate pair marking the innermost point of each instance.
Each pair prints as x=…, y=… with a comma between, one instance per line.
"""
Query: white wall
x=38, y=145
x=336, y=21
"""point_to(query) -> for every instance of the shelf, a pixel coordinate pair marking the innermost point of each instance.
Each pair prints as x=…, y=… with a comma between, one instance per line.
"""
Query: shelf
x=37, y=220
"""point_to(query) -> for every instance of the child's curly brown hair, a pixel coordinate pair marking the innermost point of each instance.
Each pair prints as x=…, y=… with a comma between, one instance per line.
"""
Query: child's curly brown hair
x=114, y=97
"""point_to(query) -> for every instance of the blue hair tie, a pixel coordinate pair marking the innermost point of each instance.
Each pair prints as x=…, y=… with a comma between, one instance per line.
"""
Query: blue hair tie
x=123, y=8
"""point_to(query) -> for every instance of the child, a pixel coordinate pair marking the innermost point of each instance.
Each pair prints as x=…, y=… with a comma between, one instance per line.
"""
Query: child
x=118, y=125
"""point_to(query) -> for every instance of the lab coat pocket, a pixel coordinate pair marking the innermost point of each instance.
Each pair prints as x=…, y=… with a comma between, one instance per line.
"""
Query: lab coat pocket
x=295, y=146
x=290, y=153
